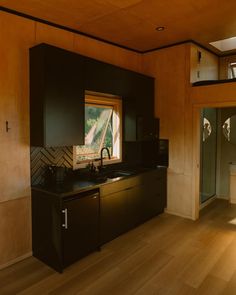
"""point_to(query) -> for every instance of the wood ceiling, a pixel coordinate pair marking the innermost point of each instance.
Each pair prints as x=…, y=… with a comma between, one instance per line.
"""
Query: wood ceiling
x=132, y=23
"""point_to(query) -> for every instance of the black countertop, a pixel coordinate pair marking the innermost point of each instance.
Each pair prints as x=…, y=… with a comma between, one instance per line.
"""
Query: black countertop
x=212, y=82
x=79, y=183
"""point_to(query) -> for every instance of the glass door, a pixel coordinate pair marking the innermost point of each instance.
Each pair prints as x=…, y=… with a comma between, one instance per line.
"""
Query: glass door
x=208, y=154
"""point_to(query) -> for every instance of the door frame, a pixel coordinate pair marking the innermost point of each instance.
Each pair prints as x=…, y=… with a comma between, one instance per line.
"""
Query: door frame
x=196, y=148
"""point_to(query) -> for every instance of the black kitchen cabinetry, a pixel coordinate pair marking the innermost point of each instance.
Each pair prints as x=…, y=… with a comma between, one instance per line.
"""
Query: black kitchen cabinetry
x=139, y=122
x=56, y=97
x=136, y=91
x=130, y=202
x=113, y=215
x=117, y=201
x=58, y=81
x=130, y=118
x=103, y=77
x=153, y=193
x=64, y=229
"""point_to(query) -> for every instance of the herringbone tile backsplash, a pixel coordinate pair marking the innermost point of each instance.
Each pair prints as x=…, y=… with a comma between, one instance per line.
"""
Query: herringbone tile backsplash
x=41, y=157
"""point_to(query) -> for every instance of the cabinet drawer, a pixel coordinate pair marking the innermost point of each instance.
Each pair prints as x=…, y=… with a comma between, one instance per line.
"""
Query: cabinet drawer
x=117, y=186
x=152, y=177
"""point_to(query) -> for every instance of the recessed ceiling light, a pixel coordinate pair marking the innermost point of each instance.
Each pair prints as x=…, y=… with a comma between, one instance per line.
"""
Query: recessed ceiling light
x=225, y=44
x=160, y=29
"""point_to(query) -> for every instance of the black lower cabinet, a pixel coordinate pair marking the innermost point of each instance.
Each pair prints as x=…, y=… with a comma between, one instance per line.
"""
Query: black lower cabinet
x=134, y=206
x=80, y=233
x=120, y=208
x=153, y=194
x=130, y=202
x=64, y=229
x=113, y=215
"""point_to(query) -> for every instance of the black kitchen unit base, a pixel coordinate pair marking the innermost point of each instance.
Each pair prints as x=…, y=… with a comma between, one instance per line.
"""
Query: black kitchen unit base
x=64, y=229
x=71, y=220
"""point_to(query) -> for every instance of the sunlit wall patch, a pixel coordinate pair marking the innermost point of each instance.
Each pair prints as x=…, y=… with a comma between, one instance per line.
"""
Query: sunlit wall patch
x=225, y=44
x=207, y=129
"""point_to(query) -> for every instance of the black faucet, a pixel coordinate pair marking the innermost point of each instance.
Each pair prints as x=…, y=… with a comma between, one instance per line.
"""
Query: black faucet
x=109, y=156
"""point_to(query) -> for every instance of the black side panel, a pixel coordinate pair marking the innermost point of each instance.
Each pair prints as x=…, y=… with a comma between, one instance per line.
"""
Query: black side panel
x=37, y=90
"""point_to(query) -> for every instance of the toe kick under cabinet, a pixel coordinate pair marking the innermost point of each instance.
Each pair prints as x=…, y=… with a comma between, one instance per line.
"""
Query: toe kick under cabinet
x=64, y=229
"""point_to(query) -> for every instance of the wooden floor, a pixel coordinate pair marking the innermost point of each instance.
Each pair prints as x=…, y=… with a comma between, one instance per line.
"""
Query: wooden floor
x=167, y=255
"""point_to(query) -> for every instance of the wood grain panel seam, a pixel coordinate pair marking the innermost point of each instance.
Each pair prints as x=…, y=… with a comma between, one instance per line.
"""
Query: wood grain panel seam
x=35, y=32
x=14, y=199
x=65, y=28
x=18, y=259
x=178, y=214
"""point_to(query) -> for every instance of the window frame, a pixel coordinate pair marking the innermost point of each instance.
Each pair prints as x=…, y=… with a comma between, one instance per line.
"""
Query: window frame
x=106, y=100
x=232, y=66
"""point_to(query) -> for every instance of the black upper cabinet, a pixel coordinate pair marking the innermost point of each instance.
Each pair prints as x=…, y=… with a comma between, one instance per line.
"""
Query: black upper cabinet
x=58, y=81
x=138, y=107
x=130, y=119
x=136, y=91
x=56, y=97
x=104, y=78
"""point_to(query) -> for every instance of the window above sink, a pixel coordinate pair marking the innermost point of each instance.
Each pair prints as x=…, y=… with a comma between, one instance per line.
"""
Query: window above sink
x=103, y=117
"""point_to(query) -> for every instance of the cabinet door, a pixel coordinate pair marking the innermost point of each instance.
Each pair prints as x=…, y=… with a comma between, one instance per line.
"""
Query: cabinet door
x=56, y=97
x=103, y=77
x=135, y=206
x=114, y=217
x=81, y=227
x=130, y=120
x=153, y=194
x=46, y=229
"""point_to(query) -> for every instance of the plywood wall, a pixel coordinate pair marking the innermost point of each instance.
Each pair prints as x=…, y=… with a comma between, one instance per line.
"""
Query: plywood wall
x=17, y=36
x=224, y=71
x=171, y=67
x=174, y=69
x=215, y=96
x=226, y=155
x=203, y=67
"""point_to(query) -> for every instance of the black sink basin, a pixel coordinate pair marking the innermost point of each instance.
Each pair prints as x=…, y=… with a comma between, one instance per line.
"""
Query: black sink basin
x=102, y=176
x=98, y=178
x=115, y=174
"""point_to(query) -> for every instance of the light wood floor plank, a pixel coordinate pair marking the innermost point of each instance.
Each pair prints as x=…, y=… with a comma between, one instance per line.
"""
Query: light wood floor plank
x=167, y=255
x=226, y=265
x=211, y=285
x=231, y=286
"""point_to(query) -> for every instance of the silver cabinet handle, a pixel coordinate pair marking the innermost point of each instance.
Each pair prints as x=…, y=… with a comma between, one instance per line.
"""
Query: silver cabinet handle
x=65, y=224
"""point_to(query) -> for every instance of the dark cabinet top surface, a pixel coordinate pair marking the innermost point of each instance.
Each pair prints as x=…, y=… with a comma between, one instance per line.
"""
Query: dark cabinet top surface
x=76, y=185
